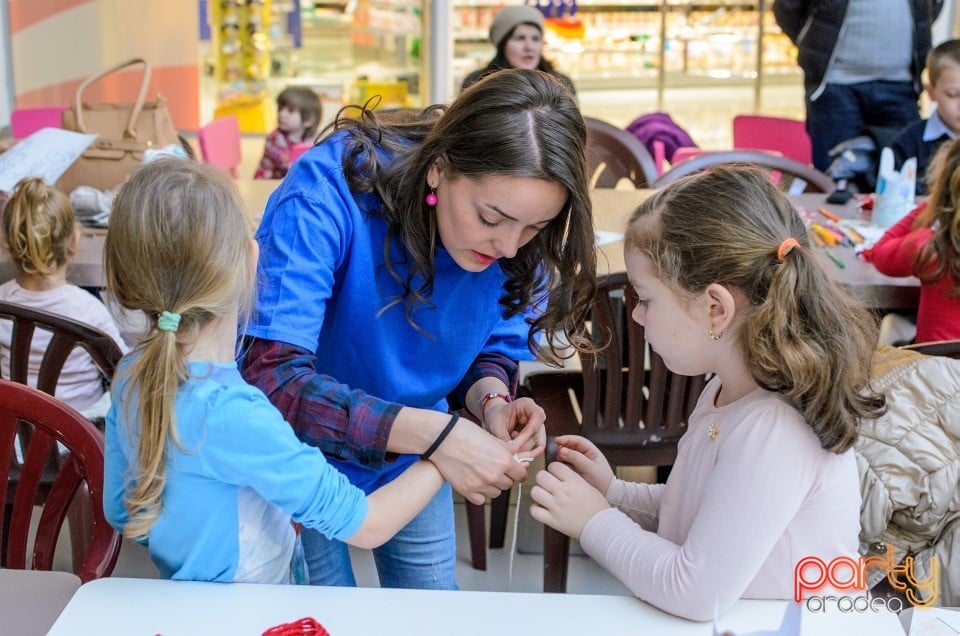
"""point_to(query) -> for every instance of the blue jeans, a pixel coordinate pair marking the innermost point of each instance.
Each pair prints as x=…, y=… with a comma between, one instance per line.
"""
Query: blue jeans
x=421, y=556
x=844, y=111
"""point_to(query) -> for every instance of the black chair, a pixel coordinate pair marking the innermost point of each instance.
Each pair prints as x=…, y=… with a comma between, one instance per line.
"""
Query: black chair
x=946, y=348
x=631, y=406
x=787, y=171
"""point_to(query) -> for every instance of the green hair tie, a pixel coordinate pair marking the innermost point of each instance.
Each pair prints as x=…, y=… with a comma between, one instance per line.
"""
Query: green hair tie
x=168, y=321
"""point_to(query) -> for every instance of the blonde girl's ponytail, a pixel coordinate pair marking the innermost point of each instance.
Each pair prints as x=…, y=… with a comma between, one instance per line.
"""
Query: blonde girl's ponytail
x=178, y=249
x=158, y=372
x=38, y=227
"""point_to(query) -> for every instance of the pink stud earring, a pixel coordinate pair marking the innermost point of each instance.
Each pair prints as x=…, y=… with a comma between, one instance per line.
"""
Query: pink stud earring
x=431, y=197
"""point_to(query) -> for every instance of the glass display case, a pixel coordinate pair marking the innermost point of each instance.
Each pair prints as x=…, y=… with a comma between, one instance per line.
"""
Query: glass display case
x=633, y=44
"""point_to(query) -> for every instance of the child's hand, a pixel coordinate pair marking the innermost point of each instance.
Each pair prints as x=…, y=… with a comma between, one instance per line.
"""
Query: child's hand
x=585, y=458
x=521, y=423
x=564, y=500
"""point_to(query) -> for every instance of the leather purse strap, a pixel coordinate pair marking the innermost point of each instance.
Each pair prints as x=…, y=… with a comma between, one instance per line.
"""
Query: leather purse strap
x=131, y=131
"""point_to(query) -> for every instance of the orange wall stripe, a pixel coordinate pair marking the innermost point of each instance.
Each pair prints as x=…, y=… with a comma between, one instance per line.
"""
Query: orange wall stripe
x=24, y=13
x=179, y=85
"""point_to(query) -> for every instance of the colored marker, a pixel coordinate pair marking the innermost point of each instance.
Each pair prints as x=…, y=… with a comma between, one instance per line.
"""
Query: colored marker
x=856, y=235
x=830, y=239
x=836, y=259
x=830, y=215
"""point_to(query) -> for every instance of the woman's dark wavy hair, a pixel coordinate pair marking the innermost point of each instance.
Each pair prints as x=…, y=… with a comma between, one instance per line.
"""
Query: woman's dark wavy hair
x=801, y=335
x=519, y=123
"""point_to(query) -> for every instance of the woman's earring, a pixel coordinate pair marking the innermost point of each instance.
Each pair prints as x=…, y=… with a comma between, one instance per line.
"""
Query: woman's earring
x=714, y=336
x=431, y=197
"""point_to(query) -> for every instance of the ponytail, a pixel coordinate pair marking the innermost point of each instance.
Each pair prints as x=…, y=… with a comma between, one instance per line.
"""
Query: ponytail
x=806, y=339
x=157, y=372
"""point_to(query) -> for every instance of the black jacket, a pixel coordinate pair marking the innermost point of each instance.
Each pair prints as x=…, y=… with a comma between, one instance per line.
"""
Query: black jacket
x=814, y=26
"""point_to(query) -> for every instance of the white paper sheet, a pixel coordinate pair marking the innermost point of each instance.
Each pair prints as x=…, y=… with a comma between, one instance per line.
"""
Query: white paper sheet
x=46, y=153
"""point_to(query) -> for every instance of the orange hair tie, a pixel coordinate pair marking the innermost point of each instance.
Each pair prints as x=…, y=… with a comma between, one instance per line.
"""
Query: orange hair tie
x=785, y=247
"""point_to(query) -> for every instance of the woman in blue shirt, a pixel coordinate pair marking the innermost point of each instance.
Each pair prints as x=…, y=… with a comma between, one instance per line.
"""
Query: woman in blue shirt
x=407, y=262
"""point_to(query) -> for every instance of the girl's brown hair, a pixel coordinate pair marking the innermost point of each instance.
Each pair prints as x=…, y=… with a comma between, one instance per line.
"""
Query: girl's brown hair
x=38, y=226
x=801, y=335
x=179, y=241
x=520, y=123
x=938, y=257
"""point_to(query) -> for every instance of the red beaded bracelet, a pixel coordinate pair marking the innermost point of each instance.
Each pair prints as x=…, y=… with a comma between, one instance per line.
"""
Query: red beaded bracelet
x=482, y=402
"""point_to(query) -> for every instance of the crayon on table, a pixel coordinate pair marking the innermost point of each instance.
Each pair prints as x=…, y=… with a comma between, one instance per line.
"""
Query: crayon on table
x=830, y=215
x=836, y=260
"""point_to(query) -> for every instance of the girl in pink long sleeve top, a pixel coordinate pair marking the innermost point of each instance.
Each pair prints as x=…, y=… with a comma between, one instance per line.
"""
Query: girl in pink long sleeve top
x=924, y=244
x=765, y=475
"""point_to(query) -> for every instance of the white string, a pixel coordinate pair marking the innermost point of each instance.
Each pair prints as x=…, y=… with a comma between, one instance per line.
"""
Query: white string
x=513, y=541
x=516, y=523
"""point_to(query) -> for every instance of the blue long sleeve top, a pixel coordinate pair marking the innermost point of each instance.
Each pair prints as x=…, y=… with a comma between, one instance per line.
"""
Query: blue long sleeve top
x=323, y=286
x=232, y=487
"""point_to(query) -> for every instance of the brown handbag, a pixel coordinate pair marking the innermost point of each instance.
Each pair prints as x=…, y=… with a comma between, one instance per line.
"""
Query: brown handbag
x=124, y=132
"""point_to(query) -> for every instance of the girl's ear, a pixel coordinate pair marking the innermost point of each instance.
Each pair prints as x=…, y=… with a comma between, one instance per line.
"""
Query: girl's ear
x=75, y=240
x=721, y=306
x=435, y=173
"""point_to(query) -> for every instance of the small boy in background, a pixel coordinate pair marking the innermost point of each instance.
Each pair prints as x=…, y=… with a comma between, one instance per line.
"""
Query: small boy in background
x=298, y=113
x=921, y=139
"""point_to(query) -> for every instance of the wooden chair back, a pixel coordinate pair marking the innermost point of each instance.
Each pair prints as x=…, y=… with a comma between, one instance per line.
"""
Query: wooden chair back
x=66, y=336
x=794, y=176
x=614, y=154
x=634, y=408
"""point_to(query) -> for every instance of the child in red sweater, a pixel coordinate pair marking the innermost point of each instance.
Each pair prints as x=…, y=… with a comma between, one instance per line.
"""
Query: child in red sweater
x=924, y=244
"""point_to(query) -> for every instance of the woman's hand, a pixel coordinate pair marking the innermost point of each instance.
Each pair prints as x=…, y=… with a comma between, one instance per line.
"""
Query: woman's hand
x=477, y=464
x=563, y=500
x=521, y=423
x=585, y=458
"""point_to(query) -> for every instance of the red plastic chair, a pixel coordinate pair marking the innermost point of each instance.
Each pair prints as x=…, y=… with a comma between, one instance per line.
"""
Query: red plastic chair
x=220, y=143
x=784, y=135
x=26, y=121
x=298, y=149
x=50, y=421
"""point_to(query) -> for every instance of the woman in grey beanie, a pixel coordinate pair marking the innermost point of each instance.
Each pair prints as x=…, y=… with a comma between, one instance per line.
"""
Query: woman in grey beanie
x=517, y=32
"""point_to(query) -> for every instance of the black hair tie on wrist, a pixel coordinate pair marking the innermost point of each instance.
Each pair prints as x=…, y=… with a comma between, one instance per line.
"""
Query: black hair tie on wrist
x=442, y=436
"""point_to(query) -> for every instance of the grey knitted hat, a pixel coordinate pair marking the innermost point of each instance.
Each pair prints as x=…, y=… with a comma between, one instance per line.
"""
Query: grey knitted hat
x=509, y=17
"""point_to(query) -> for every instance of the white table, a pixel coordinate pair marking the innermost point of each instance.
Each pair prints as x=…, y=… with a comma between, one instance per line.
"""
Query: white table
x=151, y=606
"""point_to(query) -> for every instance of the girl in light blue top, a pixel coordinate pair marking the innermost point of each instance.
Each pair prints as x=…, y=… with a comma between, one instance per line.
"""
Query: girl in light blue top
x=200, y=467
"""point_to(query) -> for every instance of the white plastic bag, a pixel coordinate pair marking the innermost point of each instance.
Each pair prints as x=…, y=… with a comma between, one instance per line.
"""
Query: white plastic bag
x=895, y=190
